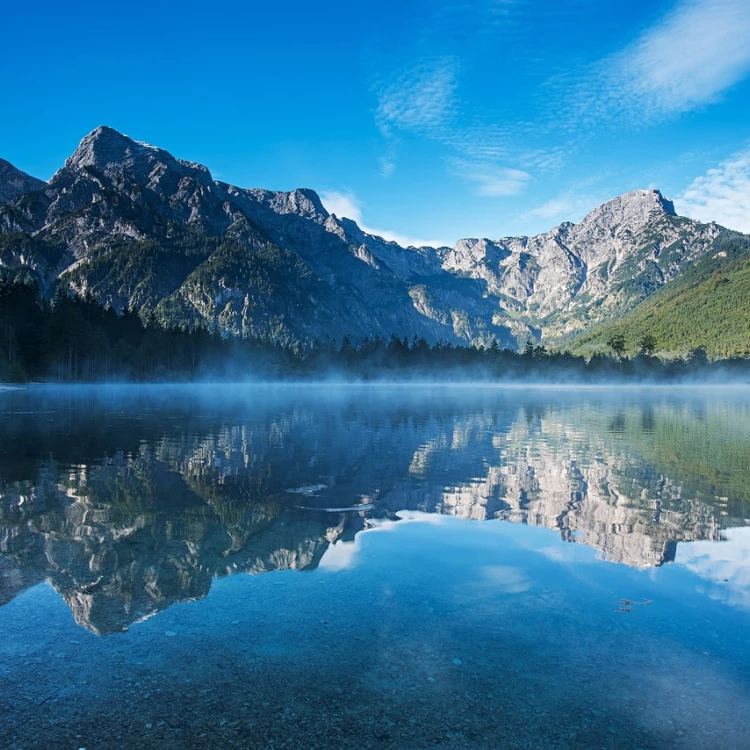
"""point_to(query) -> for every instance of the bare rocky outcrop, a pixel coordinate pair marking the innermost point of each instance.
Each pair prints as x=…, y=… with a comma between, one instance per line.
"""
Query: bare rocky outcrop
x=579, y=274
x=15, y=183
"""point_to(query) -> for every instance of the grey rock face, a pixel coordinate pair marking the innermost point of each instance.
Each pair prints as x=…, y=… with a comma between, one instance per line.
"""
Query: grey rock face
x=583, y=273
x=14, y=182
x=137, y=227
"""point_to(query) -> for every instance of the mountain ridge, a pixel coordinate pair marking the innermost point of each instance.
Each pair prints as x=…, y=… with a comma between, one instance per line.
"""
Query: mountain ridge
x=136, y=227
x=14, y=182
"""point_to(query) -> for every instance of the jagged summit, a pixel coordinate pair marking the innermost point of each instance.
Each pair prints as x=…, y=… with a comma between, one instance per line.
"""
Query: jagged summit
x=301, y=202
x=14, y=182
x=104, y=146
x=115, y=153
x=627, y=211
x=637, y=203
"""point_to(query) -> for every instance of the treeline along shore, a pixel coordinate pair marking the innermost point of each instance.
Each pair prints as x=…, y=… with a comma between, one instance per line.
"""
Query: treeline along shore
x=73, y=339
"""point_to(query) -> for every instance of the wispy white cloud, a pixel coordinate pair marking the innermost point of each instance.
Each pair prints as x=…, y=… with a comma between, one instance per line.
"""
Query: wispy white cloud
x=347, y=205
x=686, y=60
x=493, y=579
x=555, y=208
x=344, y=205
x=571, y=204
x=724, y=567
x=491, y=180
x=421, y=99
x=387, y=166
x=721, y=195
x=505, y=578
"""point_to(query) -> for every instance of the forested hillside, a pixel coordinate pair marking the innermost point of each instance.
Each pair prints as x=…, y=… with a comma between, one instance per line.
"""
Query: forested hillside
x=707, y=306
x=75, y=339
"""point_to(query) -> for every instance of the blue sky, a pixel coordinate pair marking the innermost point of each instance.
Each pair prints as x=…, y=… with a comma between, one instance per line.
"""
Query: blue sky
x=425, y=121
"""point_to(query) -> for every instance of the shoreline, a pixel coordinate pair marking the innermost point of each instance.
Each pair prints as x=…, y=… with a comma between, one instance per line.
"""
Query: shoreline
x=364, y=384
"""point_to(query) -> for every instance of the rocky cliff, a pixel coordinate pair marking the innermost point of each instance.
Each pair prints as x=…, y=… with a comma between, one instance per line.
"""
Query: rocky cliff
x=14, y=182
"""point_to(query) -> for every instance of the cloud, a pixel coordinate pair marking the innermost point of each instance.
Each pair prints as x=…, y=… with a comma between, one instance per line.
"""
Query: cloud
x=347, y=205
x=571, y=204
x=725, y=567
x=690, y=57
x=421, y=99
x=387, y=166
x=491, y=180
x=494, y=579
x=554, y=208
x=343, y=555
x=506, y=578
x=721, y=195
x=344, y=205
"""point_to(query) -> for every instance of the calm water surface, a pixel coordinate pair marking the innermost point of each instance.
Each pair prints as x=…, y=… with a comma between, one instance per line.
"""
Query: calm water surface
x=374, y=567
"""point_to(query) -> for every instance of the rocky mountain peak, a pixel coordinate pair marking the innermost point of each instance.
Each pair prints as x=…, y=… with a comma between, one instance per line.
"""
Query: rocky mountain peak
x=14, y=182
x=349, y=281
x=101, y=147
x=636, y=208
x=117, y=154
x=307, y=202
x=607, y=231
x=665, y=203
x=474, y=250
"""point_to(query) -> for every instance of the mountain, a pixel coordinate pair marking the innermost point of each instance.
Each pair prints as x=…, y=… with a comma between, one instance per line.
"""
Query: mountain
x=135, y=227
x=705, y=306
x=14, y=182
x=579, y=274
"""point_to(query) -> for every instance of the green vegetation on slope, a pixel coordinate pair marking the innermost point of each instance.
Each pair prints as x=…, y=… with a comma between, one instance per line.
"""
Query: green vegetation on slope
x=706, y=306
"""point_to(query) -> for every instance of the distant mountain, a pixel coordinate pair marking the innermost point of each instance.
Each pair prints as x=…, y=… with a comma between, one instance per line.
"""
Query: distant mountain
x=578, y=274
x=135, y=227
x=14, y=182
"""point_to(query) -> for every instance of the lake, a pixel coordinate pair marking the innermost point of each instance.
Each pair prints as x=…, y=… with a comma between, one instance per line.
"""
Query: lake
x=374, y=566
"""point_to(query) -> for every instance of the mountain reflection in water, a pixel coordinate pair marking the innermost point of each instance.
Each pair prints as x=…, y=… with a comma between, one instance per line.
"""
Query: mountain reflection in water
x=128, y=501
